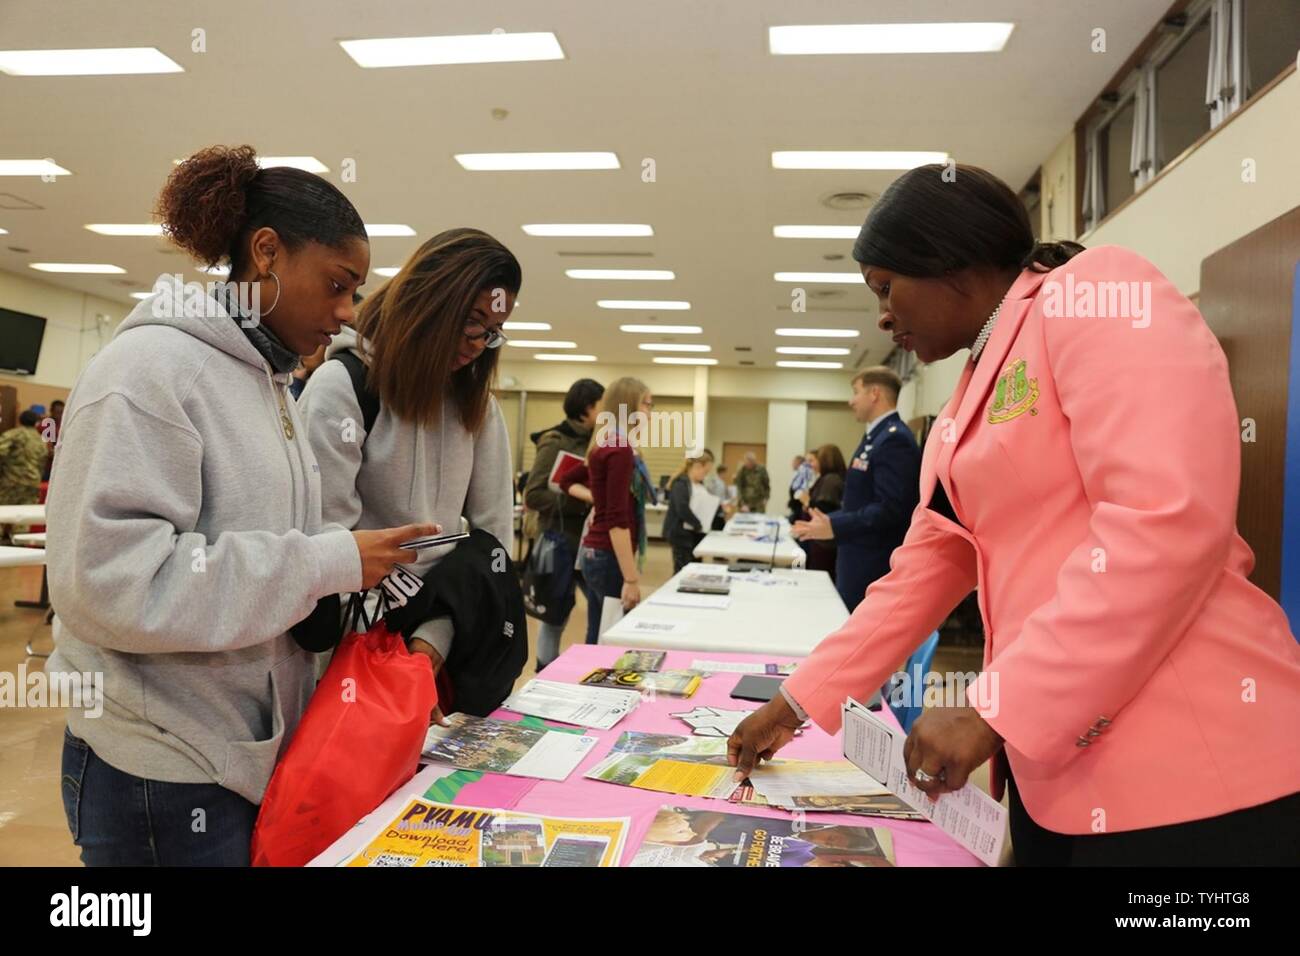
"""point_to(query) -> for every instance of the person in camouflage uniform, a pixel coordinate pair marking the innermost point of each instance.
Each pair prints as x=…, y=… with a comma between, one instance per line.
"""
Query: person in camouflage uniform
x=753, y=487
x=23, y=454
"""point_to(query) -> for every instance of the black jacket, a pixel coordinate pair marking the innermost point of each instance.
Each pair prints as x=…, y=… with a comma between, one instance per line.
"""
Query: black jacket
x=477, y=586
x=681, y=527
x=557, y=511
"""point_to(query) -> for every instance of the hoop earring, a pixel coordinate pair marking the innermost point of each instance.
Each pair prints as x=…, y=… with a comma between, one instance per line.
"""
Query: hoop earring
x=277, y=295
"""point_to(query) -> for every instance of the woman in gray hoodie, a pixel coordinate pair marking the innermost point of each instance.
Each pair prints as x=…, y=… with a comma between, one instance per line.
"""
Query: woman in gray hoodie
x=437, y=449
x=184, y=530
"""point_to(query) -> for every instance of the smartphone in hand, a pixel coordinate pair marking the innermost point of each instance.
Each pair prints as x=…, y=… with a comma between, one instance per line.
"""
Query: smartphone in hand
x=433, y=540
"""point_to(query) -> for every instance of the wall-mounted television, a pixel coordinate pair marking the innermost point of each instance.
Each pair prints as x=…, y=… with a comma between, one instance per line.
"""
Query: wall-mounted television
x=20, y=341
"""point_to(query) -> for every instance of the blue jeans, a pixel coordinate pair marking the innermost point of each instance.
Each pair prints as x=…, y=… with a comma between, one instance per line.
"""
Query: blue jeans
x=601, y=578
x=548, y=642
x=122, y=820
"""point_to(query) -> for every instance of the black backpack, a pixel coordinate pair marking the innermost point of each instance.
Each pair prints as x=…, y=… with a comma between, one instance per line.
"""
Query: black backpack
x=367, y=398
x=323, y=629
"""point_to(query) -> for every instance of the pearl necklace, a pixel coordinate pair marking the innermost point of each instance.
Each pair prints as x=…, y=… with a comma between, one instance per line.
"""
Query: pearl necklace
x=982, y=339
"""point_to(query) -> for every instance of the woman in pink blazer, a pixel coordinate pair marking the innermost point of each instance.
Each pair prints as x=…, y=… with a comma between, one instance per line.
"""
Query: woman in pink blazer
x=1139, y=696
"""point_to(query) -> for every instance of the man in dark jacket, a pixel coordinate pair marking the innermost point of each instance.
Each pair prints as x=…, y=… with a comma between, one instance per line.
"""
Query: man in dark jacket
x=881, y=489
x=559, y=516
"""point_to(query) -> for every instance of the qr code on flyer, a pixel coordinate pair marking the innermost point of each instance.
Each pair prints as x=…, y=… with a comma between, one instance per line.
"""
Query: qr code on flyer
x=394, y=859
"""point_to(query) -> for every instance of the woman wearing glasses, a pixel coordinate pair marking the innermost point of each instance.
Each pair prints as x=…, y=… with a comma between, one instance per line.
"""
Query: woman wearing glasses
x=430, y=340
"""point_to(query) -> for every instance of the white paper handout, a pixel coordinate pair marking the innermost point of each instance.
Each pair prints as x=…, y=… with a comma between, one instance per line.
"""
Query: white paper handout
x=704, y=505
x=646, y=625
x=782, y=781
x=598, y=707
x=713, y=721
x=969, y=815
x=740, y=667
x=667, y=597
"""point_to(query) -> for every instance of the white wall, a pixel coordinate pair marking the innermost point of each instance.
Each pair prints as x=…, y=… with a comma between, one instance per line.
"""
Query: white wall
x=1057, y=197
x=933, y=385
x=787, y=436
x=72, y=334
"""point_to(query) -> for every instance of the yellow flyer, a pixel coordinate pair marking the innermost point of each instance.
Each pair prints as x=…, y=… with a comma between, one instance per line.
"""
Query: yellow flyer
x=689, y=779
x=439, y=834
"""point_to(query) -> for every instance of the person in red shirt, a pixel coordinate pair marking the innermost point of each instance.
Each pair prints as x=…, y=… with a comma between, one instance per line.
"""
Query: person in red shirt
x=616, y=482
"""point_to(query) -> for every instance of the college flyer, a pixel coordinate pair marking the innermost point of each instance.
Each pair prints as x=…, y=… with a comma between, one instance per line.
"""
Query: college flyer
x=437, y=834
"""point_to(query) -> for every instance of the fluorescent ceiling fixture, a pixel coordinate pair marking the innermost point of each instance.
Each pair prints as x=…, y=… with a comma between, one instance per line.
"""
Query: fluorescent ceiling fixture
x=810, y=350
x=819, y=277
x=439, y=51
x=889, y=38
x=387, y=271
x=487, y=162
x=125, y=228
x=816, y=232
x=589, y=230
x=664, y=360
x=657, y=275
x=4, y=232
x=102, y=62
x=388, y=229
x=540, y=344
x=854, y=158
x=664, y=329
x=819, y=333
x=672, y=347
x=308, y=164
x=31, y=167
x=544, y=357
x=141, y=295
x=810, y=364
x=646, y=305
x=527, y=326
x=79, y=268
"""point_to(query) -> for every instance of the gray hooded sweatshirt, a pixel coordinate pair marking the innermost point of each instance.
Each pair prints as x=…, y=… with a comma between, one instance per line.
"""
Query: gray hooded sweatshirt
x=400, y=474
x=184, y=539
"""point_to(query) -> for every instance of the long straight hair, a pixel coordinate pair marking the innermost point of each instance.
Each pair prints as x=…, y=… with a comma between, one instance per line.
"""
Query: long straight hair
x=623, y=393
x=413, y=325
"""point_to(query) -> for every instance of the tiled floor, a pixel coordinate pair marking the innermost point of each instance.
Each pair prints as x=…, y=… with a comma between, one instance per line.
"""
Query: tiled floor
x=33, y=831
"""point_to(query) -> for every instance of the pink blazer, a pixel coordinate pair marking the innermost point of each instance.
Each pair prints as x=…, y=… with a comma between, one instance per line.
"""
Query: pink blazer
x=1137, y=677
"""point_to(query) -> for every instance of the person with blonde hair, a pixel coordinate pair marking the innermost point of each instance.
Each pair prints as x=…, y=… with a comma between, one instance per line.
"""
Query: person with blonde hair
x=616, y=481
x=682, y=528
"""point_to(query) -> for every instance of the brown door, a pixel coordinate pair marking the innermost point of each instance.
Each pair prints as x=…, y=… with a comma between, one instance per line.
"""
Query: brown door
x=1247, y=292
x=733, y=456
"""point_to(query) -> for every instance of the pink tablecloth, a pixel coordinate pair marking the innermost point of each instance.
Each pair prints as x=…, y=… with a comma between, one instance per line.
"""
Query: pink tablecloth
x=916, y=843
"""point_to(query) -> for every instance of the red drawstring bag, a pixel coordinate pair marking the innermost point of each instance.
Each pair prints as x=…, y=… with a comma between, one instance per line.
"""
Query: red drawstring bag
x=358, y=741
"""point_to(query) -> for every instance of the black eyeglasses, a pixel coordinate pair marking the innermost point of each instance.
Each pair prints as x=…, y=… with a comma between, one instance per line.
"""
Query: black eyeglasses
x=492, y=338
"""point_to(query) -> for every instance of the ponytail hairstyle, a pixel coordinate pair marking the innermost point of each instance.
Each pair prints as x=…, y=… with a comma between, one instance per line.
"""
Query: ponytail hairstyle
x=688, y=463
x=623, y=394
x=213, y=201
x=926, y=226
